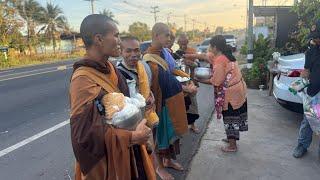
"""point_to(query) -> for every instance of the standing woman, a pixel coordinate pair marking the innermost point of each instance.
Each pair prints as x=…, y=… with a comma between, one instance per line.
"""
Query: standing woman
x=229, y=88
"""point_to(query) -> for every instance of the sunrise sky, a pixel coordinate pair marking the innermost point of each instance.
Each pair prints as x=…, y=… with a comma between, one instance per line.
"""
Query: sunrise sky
x=226, y=13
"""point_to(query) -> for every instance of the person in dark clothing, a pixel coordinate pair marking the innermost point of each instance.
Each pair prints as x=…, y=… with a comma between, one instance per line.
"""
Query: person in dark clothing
x=311, y=72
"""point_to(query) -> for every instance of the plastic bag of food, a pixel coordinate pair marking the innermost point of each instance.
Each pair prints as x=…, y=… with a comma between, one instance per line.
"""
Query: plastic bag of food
x=123, y=112
x=311, y=107
x=113, y=102
x=298, y=85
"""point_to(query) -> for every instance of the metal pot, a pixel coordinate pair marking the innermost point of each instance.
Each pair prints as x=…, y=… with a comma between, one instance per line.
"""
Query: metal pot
x=202, y=73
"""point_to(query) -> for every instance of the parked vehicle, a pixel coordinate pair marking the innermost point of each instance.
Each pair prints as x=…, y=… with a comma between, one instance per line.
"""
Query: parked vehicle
x=230, y=39
x=144, y=46
x=203, y=47
x=289, y=68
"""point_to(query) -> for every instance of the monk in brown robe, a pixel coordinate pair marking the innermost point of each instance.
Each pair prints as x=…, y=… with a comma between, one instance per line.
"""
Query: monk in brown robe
x=102, y=151
x=192, y=107
x=169, y=99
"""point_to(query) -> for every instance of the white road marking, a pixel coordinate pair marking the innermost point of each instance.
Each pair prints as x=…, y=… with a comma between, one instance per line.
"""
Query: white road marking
x=35, y=70
x=33, y=138
x=22, y=76
x=62, y=67
x=6, y=71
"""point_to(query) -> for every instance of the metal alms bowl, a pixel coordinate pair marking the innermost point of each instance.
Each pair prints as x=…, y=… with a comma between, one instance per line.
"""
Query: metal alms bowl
x=203, y=73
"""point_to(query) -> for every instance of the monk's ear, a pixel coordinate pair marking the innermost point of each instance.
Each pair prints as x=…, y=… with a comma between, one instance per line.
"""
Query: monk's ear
x=98, y=39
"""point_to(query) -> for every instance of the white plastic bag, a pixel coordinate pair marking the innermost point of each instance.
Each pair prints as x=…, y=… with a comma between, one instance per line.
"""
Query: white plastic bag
x=311, y=108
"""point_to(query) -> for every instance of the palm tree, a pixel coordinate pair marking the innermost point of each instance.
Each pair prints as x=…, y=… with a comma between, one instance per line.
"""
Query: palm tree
x=54, y=22
x=109, y=14
x=30, y=11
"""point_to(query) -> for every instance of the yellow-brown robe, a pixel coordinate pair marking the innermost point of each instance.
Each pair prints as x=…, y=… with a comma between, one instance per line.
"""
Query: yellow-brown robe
x=101, y=151
x=170, y=105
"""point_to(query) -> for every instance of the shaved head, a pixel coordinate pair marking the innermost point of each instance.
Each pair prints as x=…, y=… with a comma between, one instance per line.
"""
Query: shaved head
x=100, y=36
x=182, y=37
x=183, y=42
x=95, y=24
x=159, y=28
x=161, y=35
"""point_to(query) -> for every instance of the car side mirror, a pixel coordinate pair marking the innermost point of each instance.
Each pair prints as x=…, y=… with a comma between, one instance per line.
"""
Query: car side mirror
x=198, y=45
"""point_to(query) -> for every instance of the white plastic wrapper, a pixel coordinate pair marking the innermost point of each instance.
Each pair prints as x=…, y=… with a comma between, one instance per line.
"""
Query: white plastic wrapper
x=298, y=85
x=311, y=107
x=130, y=116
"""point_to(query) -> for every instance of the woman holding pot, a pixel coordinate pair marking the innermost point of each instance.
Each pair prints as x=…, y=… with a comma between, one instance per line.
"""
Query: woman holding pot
x=230, y=90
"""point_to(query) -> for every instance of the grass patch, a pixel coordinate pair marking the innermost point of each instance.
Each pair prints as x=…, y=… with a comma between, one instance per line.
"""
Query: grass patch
x=20, y=60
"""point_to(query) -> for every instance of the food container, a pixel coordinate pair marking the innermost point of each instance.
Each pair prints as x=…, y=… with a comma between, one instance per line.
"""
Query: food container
x=183, y=80
x=202, y=73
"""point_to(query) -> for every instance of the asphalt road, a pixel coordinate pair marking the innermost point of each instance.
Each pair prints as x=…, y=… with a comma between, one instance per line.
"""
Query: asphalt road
x=34, y=129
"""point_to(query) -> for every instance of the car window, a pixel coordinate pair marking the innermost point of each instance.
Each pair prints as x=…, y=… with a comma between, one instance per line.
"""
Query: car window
x=228, y=36
x=205, y=43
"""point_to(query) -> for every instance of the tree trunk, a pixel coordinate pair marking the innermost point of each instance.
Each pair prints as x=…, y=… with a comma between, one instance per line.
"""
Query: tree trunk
x=53, y=41
x=29, y=39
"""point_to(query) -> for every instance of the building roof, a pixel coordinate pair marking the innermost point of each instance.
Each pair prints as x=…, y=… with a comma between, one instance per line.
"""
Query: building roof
x=264, y=11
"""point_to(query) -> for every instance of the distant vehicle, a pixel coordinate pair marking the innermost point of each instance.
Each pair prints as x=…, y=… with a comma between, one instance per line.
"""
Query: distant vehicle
x=230, y=39
x=4, y=49
x=289, y=68
x=203, y=47
x=144, y=46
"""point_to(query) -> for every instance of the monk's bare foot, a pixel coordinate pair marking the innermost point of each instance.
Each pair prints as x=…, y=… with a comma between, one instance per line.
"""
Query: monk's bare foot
x=229, y=149
x=194, y=129
x=169, y=163
x=163, y=174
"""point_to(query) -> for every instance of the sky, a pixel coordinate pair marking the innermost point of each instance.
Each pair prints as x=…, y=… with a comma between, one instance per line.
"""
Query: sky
x=231, y=14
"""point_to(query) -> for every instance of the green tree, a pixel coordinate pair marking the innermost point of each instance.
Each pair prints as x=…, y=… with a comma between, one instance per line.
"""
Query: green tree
x=54, y=23
x=140, y=30
x=31, y=12
x=109, y=14
x=10, y=34
x=308, y=12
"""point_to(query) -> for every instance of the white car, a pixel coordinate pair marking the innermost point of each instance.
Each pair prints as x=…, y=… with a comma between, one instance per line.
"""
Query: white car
x=289, y=68
x=230, y=39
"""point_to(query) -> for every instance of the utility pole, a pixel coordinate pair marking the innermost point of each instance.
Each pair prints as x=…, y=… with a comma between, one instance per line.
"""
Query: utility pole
x=205, y=30
x=193, y=21
x=168, y=17
x=185, y=23
x=155, y=11
x=92, y=5
x=250, y=32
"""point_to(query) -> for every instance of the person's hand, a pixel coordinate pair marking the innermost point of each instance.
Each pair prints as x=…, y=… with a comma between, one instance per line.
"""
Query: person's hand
x=193, y=88
x=191, y=56
x=188, y=62
x=150, y=102
x=141, y=134
x=305, y=74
